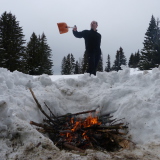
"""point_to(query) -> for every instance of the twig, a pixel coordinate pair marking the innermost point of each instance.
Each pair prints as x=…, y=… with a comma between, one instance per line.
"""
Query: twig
x=41, y=125
x=116, y=121
x=39, y=106
x=69, y=146
x=50, y=110
x=75, y=114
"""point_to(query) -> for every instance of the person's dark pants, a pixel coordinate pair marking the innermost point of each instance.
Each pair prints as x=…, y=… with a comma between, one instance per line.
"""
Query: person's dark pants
x=93, y=59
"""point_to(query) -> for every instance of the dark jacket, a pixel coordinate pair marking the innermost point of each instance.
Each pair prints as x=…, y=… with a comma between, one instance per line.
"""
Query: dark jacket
x=92, y=40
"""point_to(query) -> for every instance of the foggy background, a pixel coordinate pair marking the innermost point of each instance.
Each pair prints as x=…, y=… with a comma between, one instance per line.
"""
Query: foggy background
x=122, y=23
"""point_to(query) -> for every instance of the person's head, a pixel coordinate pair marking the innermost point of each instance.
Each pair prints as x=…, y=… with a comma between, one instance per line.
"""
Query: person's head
x=94, y=25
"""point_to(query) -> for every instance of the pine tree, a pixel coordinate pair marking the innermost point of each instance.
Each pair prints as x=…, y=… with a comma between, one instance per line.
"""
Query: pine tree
x=108, y=67
x=131, y=61
x=80, y=65
x=100, y=64
x=68, y=65
x=120, y=60
x=149, y=52
x=63, y=66
x=122, y=57
x=38, y=56
x=33, y=57
x=134, y=60
x=72, y=63
x=12, y=49
x=157, y=44
x=84, y=63
x=45, y=61
x=116, y=64
x=77, y=68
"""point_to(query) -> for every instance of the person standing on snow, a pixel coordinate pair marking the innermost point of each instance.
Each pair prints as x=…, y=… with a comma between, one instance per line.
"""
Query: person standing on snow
x=92, y=44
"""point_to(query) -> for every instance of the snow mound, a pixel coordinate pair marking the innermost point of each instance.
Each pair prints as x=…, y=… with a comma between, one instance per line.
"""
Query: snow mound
x=128, y=94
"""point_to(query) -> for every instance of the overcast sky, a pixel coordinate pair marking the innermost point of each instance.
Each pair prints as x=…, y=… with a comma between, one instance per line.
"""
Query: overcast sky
x=122, y=23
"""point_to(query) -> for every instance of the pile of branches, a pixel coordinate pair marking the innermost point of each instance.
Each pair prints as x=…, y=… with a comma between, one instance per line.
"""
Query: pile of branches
x=71, y=131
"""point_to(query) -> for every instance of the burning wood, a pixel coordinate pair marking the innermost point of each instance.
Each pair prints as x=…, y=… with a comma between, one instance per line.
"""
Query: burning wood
x=73, y=132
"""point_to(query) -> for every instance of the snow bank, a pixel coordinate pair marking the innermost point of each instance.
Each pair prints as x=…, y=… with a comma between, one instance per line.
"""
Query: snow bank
x=130, y=95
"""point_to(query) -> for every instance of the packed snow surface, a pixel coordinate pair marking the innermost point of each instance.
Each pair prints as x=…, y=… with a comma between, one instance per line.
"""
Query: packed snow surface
x=130, y=94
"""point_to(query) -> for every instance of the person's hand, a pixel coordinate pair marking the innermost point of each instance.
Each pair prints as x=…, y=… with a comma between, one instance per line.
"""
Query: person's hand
x=75, y=28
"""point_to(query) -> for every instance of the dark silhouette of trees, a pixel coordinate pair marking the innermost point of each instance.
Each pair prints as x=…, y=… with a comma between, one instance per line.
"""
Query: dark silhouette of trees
x=38, y=56
x=150, y=54
x=12, y=49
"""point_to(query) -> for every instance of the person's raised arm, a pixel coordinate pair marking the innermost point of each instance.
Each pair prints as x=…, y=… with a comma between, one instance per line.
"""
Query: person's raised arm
x=76, y=33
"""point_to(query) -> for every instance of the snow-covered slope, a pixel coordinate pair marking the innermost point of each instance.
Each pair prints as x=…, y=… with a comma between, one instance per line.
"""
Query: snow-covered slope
x=128, y=94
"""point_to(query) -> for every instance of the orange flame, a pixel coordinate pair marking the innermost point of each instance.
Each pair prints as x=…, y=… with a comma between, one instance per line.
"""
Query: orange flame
x=79, y=124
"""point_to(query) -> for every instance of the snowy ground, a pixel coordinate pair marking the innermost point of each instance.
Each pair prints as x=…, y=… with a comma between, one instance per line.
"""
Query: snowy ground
x=128, y=94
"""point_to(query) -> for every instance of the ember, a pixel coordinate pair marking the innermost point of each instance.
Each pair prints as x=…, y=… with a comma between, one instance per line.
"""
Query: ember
x=71, y=131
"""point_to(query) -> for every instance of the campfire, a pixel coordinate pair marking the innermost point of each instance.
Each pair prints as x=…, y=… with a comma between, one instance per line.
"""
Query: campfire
x=78, y=125
x=83, y=130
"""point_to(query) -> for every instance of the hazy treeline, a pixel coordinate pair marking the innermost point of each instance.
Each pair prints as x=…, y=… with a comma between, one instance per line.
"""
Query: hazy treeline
x=35, y=56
